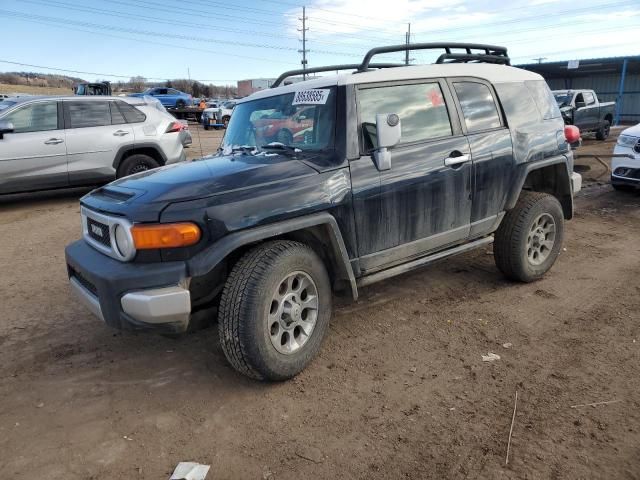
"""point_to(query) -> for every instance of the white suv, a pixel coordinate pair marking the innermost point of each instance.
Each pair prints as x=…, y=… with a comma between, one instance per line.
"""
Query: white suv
x=55, y=142
x=626, y=171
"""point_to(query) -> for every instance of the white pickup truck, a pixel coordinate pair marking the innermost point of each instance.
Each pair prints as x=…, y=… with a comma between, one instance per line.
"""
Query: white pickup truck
x=218, y=117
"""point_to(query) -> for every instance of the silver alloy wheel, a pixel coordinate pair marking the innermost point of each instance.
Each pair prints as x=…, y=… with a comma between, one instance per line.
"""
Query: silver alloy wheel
x=541, y=238
x=293, y=312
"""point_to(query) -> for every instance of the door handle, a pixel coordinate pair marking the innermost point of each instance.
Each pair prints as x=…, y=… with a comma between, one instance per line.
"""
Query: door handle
x=53, y=141
x=453, y=161
x=120, y=133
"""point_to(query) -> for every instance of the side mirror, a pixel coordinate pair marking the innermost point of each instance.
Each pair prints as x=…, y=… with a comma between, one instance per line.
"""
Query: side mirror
x=388, y=133
x=5, y=127
x=580, y=104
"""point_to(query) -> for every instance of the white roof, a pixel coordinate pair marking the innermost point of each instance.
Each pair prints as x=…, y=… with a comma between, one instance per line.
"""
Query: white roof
x=486, y=71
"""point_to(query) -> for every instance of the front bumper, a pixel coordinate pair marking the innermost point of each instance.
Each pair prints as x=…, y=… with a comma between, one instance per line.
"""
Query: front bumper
x=130, y=296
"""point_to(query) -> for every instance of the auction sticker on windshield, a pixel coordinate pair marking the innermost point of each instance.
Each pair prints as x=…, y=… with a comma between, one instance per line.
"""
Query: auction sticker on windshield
x=311, y=97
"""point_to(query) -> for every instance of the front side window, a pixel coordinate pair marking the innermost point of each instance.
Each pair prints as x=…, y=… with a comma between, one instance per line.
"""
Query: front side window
x=478, y=106
x=35, y=117
x=88, y=114
x=285, y=120
x=421, y=108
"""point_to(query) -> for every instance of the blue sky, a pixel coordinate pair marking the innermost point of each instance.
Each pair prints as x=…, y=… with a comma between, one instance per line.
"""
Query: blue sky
x=224, y=41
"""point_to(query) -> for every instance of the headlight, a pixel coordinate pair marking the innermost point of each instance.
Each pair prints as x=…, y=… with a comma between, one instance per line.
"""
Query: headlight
x=123, y=241
x=627, y=141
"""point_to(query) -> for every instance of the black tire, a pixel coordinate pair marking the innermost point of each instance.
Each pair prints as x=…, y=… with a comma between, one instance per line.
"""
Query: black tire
x=284, y=136
x=135, y=164
x=248, y=298
x=603, y=132
x=511, y=248
x=206, y=127
x=181, y=104
x=225, y=121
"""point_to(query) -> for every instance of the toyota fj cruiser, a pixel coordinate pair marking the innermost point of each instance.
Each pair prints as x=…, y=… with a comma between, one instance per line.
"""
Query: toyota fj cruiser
x=397, y=167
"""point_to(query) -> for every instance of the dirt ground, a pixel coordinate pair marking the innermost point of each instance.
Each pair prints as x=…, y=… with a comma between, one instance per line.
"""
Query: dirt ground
x=399, y=390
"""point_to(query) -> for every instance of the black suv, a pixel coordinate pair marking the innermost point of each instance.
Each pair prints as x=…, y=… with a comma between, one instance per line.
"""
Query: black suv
x=329, y=185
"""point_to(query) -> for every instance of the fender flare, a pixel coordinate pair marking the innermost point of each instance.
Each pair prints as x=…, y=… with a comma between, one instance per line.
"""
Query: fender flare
x=137, y=146
x=524, y=171
x=207, y=260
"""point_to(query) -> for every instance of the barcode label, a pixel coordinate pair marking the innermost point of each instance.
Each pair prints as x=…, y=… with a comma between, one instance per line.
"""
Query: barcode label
x=311, y=97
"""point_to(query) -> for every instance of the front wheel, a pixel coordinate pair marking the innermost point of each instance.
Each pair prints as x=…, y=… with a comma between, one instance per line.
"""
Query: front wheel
x=275, y=310
x=529, y=239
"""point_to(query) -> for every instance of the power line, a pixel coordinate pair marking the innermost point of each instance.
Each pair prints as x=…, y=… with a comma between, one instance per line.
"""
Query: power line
x=114, y=75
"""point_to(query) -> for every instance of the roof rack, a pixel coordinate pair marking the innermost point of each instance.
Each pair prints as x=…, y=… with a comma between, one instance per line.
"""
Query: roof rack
x=332, y=68
x=487, y=53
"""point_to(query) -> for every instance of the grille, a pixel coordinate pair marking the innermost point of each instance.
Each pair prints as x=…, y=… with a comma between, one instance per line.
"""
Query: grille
x=83, y=281
x=99, y=232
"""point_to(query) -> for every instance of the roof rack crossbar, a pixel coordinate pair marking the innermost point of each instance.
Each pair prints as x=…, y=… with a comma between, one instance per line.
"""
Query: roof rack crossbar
x=474, y=57
x=331, y=68
x=490, y=50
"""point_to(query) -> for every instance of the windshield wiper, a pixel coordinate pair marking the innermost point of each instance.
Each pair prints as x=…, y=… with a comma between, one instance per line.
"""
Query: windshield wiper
x=247, y=149
x=281, y=147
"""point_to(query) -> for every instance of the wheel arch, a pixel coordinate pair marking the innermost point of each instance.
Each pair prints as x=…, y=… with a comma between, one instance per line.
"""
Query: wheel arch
x=550, y=176
x=319, y=231
x=139, y=148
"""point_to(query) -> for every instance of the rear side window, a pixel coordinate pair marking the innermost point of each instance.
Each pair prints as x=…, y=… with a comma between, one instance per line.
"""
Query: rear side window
x=35, y=117
x=588, y=98
x=478, y=106
x=421, y=108
x=131, y=113
x=88, y=114
x=544, y=99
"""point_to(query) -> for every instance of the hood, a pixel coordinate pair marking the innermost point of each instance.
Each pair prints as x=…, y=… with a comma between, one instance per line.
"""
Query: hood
x=142, y=196
x=632, y=131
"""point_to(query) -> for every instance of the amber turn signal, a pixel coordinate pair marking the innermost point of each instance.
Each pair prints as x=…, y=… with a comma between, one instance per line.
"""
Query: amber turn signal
x=169, y=235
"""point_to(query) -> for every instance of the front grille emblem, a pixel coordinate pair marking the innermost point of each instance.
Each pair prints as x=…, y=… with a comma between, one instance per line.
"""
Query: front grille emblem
x=97, y=230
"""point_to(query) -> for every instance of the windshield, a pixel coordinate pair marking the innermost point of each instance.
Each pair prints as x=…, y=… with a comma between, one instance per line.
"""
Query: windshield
x=563, y=98
x=285, y=120
x=6, y=104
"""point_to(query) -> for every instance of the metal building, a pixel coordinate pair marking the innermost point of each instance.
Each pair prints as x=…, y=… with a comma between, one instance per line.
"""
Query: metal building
x=613, y=79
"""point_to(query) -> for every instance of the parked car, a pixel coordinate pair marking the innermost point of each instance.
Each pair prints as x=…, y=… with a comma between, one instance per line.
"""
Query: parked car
x=98, y=88
x=583, y=109
x=401, y=167
x=625, y=172
x=53, y=142
x=287, y=129
x=169, y=97
x=218, y=117
x=3, y=96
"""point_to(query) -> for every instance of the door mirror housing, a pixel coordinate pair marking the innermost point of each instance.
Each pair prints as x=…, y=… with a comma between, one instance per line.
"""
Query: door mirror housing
x=388, y=133
x=5, y=127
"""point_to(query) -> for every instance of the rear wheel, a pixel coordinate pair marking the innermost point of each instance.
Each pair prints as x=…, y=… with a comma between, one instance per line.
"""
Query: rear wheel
x=529, y=239
x=135, y=164
x=285, y=137
x=275, y=310
x=181, y=104
x=603, y=132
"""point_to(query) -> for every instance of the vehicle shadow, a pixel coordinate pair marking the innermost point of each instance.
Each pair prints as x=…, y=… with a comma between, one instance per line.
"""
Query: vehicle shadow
x=33, y=199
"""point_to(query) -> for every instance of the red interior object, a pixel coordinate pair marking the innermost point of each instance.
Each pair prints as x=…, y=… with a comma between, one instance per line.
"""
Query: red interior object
x=571, y=133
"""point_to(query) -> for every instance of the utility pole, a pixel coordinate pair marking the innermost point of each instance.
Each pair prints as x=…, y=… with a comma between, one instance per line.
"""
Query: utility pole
x=539, y=59
x=304, y=41
x=408, y=41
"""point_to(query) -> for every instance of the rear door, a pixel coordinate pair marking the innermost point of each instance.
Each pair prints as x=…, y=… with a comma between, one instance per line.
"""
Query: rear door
x=96, y=130
x=34, y=157
x=421, y=204
x=491, y=150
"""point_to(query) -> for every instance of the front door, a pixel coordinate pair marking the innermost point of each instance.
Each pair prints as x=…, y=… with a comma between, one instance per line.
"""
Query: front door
x=34, y=156
x=423, y=203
